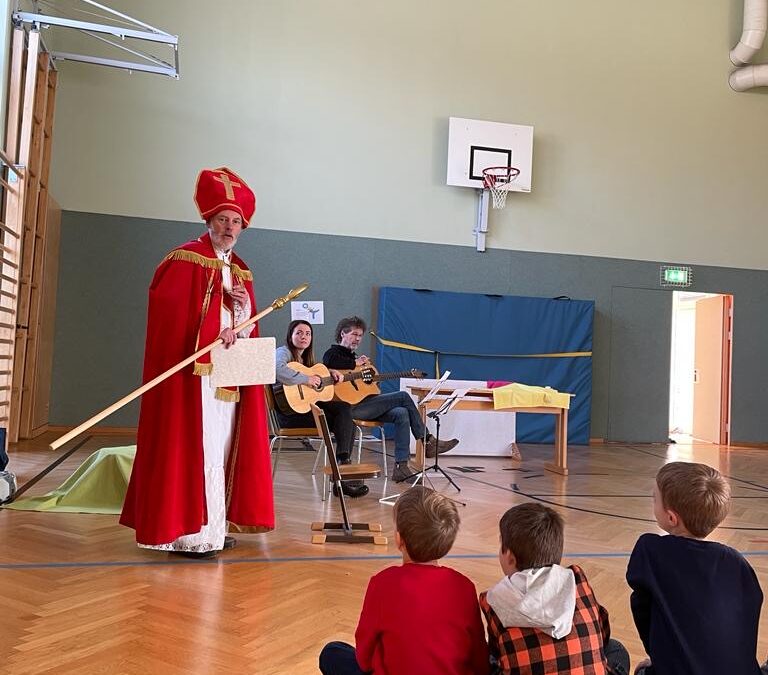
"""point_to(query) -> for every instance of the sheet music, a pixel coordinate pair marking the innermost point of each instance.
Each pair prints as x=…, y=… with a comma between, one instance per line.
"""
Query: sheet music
x=432, y=392
x=457, y=395
x=450, y=402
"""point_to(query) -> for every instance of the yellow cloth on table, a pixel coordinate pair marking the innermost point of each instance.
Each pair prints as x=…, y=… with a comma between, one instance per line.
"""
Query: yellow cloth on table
x=98, y=486
x=525, y=396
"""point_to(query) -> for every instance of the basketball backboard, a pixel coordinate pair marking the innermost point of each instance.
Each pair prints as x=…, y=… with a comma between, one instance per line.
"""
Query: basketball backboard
x=474, y=145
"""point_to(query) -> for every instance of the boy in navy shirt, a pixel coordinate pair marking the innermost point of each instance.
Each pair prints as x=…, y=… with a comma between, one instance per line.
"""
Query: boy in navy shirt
x=696, y=603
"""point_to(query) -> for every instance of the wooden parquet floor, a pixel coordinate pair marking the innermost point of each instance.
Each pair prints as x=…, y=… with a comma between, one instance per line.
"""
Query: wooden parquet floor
x=79, y=597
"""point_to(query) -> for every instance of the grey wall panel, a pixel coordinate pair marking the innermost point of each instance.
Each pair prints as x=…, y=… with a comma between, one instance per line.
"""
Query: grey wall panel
x=107, y=263
x=639, y=361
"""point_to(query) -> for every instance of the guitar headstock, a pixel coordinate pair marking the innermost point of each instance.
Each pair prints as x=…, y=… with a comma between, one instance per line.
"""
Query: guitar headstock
x=367, y=375
x=418, y=374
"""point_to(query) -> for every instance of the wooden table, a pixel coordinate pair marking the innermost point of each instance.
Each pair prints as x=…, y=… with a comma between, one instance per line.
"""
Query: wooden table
x=482, y=399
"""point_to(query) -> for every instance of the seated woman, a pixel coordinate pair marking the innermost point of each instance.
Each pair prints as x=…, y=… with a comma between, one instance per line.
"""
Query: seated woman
x=298, y=348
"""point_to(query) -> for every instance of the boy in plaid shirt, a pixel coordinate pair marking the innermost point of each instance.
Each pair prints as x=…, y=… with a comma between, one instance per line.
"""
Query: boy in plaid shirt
x=542, y=617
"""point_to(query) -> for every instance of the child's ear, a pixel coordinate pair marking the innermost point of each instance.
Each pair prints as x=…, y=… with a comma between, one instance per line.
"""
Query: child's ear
x=674, y=519
x=508, y=562
x=398, y=541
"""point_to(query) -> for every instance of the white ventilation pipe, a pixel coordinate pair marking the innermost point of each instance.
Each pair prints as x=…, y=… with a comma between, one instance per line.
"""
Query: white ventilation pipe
x=748, y=77
x=755, y=24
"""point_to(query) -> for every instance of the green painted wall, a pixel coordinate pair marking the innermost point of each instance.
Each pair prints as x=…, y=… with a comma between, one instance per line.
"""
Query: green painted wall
x=337, y=113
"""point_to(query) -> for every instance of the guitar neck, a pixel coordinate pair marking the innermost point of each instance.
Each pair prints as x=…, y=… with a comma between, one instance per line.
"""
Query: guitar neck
x=392, y=376
x=359, y=375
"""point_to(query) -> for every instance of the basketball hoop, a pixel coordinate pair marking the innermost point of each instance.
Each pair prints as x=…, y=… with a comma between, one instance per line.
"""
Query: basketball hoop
x=497, y=179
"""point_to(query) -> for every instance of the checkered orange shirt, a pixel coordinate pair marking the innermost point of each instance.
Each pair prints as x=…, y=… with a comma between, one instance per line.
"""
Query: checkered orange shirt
x=529, y=651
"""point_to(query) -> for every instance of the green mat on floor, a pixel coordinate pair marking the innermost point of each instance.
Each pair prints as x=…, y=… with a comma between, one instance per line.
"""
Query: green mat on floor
x=98, y=486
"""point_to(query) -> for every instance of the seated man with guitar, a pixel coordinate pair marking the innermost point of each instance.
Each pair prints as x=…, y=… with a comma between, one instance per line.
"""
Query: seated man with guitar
x=301, y=382
x=397, y=407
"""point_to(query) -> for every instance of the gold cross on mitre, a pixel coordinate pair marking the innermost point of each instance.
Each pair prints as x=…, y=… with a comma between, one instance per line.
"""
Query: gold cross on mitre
x=228, y=184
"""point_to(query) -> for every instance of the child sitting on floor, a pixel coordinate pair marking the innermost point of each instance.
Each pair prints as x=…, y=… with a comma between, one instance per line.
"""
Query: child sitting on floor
x=696, y=603
x=542, y=617
x=418, y=618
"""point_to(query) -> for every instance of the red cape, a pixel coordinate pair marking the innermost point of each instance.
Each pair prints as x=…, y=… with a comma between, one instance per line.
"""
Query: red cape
x=166, y=494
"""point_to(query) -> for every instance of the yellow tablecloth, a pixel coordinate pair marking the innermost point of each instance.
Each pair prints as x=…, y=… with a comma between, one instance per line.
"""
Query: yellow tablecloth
x=525, y=396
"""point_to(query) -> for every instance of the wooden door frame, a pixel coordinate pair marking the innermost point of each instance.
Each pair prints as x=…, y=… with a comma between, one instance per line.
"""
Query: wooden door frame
x=726, y=364
x=726, y=370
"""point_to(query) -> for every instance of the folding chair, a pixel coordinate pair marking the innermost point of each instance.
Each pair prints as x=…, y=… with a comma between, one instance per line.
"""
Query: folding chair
x=279, y=434
x=343, y=532
x=361, y=436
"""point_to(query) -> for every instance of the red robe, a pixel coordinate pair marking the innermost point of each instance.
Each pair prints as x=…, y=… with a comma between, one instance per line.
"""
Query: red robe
x=166, y=494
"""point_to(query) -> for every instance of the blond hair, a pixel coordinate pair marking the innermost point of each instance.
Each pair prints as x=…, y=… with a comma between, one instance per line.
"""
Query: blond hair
x=428, y=523
x=697, y=493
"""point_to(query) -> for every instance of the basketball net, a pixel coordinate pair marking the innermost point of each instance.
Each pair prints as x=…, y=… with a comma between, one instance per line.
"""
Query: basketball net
x=497, y=179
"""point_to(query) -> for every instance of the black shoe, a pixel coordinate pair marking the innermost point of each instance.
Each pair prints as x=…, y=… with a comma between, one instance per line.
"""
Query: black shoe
x=404, y=472
x=229, y=542
x=198, y=555
x=352, y=491
x=434, y=447
x=343, y=459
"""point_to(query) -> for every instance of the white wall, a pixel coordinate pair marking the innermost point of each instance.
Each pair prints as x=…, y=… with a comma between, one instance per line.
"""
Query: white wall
x=336, y=112
x=682, y=365
x=5, y=48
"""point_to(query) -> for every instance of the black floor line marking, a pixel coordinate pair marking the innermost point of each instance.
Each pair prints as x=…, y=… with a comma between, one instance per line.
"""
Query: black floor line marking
x=645, y=452
x=733, y=478
x=755, y=486
x=514, y=488
x=308, y=559
x=535, y=475
x=576, y=473
x=643, y=496
x=597, y=513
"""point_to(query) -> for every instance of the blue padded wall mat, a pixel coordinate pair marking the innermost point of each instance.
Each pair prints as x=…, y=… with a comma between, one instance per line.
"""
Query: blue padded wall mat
x=494, y=337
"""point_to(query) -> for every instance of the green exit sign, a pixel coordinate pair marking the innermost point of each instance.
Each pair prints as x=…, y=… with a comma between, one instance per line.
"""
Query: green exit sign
x=676, y=276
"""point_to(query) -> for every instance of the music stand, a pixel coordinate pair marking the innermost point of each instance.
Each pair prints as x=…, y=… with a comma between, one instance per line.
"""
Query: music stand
x=390, y=500
x=449, y=404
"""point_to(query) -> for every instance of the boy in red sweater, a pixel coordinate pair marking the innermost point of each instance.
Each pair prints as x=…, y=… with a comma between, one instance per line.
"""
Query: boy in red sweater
x=418, y=618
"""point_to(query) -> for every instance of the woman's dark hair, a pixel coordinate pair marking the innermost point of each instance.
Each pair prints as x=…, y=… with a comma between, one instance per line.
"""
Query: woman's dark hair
x=308, y=357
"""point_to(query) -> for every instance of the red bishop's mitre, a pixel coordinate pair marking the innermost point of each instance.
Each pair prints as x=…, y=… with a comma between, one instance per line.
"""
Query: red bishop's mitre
x=222, y=188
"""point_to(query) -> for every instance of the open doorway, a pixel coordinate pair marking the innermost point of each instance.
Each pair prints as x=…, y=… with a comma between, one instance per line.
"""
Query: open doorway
x=700, y=376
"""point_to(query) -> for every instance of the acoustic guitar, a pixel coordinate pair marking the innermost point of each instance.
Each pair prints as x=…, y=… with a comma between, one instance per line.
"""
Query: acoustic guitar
x=361, y=383
x=297, y=398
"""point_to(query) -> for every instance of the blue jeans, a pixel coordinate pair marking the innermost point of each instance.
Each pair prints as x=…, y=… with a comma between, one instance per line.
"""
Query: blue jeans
x=399, y=409
x=338, y=658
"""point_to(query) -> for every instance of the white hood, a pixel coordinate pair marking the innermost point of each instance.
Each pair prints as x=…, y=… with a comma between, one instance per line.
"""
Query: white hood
x=543, y=598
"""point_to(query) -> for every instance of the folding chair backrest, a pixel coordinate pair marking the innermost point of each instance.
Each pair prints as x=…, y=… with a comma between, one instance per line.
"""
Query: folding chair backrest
x=325, y=433
x=274, y=425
